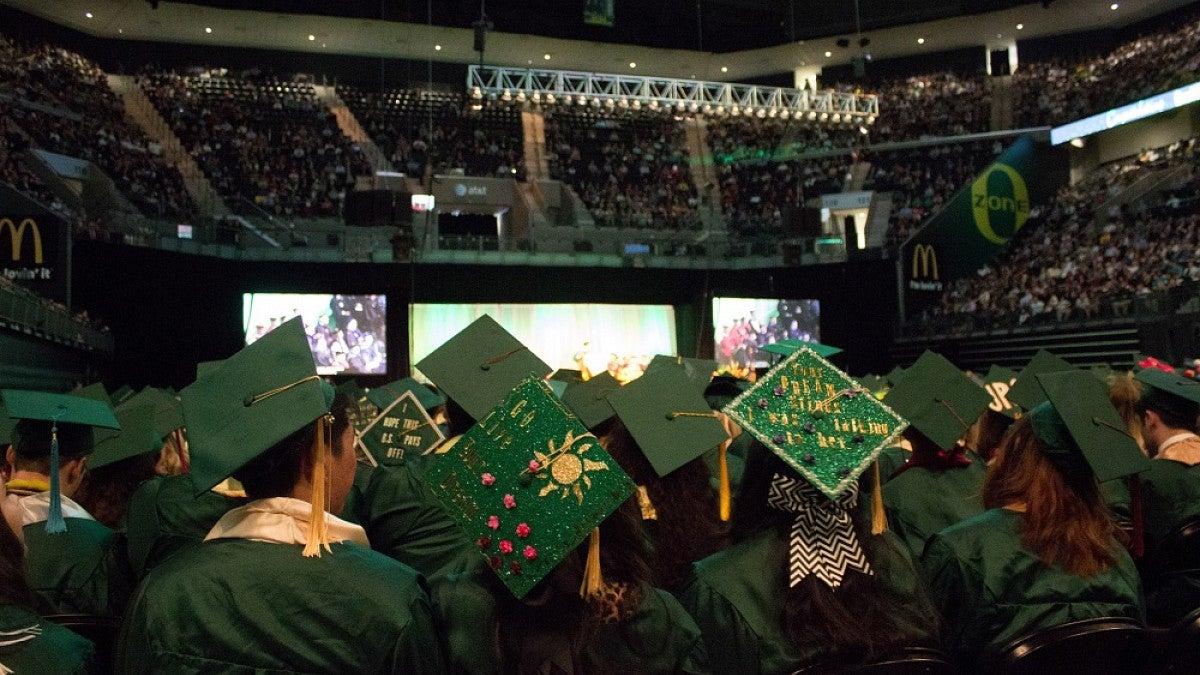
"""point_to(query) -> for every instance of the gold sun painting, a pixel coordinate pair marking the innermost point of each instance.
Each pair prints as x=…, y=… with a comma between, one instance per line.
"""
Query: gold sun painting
x=565, y=469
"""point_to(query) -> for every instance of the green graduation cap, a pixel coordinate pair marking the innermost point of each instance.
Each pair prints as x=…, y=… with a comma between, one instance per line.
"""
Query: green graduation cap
x=698, y=371
x=938, y=399
x=588, y=399
x=1027, y=393
x=877, y=385
x=818, y=420
x=165, y=407
x=137, y=436
x=895, y=375
x=251, y=401
x=559, y=387
x=1102, y=372
x=94, y=391
x=527, y=484
x=205, y=367
x=402, y=428
x=480, y=365
x=998, y=381
x=786, y=347
x=1078, y=423
x=383, y=396
x=667, y=415
x=1171, y=391
x=122, y=394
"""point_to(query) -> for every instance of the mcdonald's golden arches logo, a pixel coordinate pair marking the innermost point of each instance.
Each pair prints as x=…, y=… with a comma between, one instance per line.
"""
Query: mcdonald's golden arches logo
x=924, y=262
x=984, y=202
x=17, y=236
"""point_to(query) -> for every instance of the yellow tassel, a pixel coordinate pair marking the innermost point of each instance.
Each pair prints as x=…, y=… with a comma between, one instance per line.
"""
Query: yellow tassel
x=878, y=517
x=593, y=580
x=724, y=494
x=317, y=536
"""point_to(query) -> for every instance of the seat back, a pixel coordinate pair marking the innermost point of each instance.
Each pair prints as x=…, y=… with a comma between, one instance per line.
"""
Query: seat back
x=1178, y=551
x=1180, y=651
x=1103, y=646
x=102, y=631
x=911, y=661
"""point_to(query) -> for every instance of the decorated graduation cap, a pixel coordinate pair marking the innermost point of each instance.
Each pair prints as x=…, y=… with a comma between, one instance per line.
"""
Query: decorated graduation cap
x=1027, y=393
x=828, y=429
x=481, y=364
x=383, y=396
x=136, y=437
x=527, y=484
x=938, y=399
x=402, y=428
x=1169, y=391
x=60, y=409
x=1080, y=428
x=668, y=417
x=786, y=347
x=998, y=381
x=698, y=371
x=251, y=402
x=588, y=399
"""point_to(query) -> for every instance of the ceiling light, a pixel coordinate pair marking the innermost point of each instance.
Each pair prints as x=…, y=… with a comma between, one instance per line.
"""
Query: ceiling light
x=311, y=37
x=1114, y=6
x=437, y=48
x=1020, y=26
x=121, y=31
x=920, y=41
x=724, y=69
x=88, y=14
x=207, y=29
x=828, y=54
x=546, y=57
x=632, y=64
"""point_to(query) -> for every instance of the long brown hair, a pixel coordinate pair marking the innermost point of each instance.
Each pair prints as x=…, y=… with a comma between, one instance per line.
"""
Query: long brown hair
x=1124, y=392
x=14, y=589
x=105, y=492
x=1065, y=521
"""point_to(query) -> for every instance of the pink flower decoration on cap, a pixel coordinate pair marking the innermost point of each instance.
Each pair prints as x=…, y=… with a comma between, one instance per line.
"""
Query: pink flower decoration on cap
x=523, y=530
x=510, y=501
x=534, y=466
x=487, y=479
x=530, y=553
x=493, y=522
x=505, y=546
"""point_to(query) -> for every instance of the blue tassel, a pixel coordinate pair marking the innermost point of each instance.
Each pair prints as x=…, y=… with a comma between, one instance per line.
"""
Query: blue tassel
x=54, y=520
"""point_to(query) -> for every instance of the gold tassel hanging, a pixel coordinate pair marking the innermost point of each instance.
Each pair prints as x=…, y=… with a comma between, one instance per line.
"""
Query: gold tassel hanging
x=878, y=517
x=724, y=496
x=317, y=536
x=593, y=579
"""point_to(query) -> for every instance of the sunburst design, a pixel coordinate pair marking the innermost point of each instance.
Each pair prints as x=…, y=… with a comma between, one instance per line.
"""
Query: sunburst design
x=567, y=471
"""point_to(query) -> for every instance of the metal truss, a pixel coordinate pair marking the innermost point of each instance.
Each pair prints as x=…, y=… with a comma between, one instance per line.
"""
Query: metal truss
x=531, y=85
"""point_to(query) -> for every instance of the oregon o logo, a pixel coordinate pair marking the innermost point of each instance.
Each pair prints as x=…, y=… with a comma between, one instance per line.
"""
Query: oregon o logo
x=924, y=262
x=17, y=235
x=985, y=203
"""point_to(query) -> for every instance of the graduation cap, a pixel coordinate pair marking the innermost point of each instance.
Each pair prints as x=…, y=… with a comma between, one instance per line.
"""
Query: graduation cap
x=403, y=427
x=481, y=364
x=166, y=409
x=527, y=484
x=877, y=385
x=723, y=389
x=894, y=375
x=383, y=396
x=698, y=371
x=1180, y=395
x=205, y=367
x=668, y=417
x=567, y=375
x=786, y=347
x=251, y=402
x=998, y=381
x=122, y=394
x=59, y=409
x=94, y=391
x=1080, y=428
x=588, y=399
x=818, y=419
x=938, y=399
x=136, y=437
x=1027, y=393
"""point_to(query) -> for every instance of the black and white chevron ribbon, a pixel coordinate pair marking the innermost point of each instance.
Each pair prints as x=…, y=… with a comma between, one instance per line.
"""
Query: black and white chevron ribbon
x=823, y=540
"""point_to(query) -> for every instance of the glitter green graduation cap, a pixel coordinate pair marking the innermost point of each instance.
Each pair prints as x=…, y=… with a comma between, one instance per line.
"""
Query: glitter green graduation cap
x=998, y=380
x=1077, y=423
x=938, y=399
x=383, y=396
x=698, y=371
x=786, y=347
x=480, y=365
x=588, y=399
x=1027, y=393
x=818, y=420
x=527, y=484
x=669, y=418
x=137, y=436
x=402, y=428
x=251, y=401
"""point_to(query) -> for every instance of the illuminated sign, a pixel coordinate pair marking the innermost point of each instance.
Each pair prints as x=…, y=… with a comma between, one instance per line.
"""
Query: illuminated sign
x=17, y=233
x=925, y=275
x=1176, y=98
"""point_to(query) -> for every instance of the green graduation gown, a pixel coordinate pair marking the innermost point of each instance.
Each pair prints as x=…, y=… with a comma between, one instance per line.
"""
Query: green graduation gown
x=991, y=589
x=889, y=460
x=736, y=597
x=1171, y=497
x=657, y=637
x=922, y=502
x=55, y=651
x=165, y=516
x=237, y=605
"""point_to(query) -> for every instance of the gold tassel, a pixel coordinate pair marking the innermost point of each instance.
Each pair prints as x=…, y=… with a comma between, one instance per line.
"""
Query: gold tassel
x=878, y=517
x=593, y=580
x=317, y=536
x=724, y=494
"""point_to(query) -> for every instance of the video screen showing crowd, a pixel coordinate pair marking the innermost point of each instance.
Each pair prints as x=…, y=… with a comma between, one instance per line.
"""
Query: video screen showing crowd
x=346, y=333
x=504, y=517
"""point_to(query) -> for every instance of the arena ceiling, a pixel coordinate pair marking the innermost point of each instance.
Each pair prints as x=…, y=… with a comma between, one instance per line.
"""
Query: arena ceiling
x=734, y=39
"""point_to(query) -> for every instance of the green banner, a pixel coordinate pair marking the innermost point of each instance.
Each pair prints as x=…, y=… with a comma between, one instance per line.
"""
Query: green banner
x=979, y=220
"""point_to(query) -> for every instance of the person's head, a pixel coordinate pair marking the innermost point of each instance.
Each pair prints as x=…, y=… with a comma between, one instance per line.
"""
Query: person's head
x=1164, y=415
x=985, y=435
x=1125, y=393
x=30, y=451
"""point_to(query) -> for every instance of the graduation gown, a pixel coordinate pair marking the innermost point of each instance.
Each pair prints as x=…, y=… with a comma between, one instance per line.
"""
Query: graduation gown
x=737, y=595
x=53, y=651
x=991, y=590
x=80, y=571
x=889, y=460
x=165, y=516
x=1170, y=497
x=922, y=502
x=658, y=636
x=247, y=601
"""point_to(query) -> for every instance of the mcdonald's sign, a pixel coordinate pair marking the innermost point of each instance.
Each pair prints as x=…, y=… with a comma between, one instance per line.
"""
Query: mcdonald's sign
x=924, y=274
x=17, y=236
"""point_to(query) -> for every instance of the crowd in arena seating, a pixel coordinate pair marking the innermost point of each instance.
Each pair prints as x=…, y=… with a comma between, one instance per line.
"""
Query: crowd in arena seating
x=631, y=170
x=935, y=104
x=265, y=140
x=1081, y=258
x=63, y=101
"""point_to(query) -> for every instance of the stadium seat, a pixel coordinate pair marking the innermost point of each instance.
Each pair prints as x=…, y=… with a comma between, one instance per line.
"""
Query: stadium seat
x=101, y=630
x=1179, y=651
x=913, y=661
x=1102, y=646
